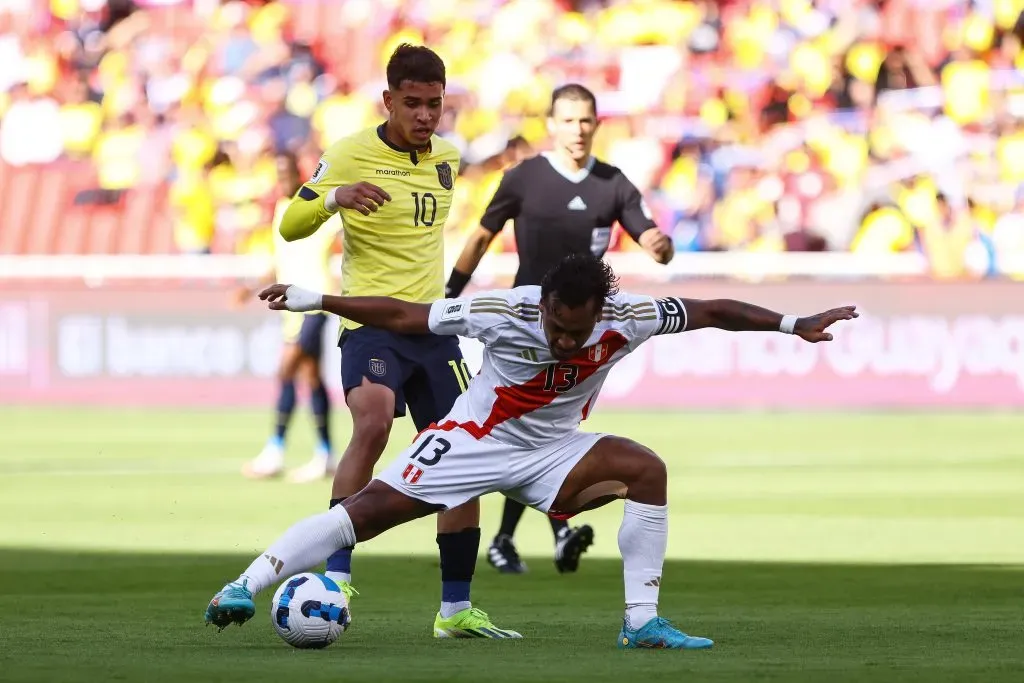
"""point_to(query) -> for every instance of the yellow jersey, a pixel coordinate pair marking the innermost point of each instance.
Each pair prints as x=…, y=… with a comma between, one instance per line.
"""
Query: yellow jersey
x=305, y=262
x=398, y=251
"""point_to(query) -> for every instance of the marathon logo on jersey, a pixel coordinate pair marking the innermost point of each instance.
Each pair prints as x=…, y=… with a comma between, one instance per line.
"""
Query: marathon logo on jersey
x=378, y=367
x=412, y=474
x=444, y=175
x=320, y=172
x=400, y=172
x=454, y=311
x=598, y=353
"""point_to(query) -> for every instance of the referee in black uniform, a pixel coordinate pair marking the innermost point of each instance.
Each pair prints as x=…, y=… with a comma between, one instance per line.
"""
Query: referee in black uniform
x=562, y=202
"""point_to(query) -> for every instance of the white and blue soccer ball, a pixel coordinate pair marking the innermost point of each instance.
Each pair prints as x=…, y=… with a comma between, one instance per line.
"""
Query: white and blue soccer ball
x=309, y=611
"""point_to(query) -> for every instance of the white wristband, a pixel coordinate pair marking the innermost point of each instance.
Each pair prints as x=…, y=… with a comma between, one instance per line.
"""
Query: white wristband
x=302, y=300
x=788, y=324
x=329, y=203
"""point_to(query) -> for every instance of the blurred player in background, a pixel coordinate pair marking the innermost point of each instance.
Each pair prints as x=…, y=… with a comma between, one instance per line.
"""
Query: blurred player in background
x=393, y=246
x=547, y=353
x=562, y=202
x=307, y=261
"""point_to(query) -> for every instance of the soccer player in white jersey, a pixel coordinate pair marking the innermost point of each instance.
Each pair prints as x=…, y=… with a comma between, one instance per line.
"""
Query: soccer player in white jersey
x=548, y=350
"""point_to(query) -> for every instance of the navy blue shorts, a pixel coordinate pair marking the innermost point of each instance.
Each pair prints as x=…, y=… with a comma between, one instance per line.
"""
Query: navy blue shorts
x=311, y=335
x=425, y=371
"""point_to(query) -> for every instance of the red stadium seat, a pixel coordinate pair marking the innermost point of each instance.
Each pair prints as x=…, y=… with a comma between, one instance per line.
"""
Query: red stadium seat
x=44, y=234
x=136, y=222
x=16, y=213
x=104, y=224
x=160, y=232
x=72, y=234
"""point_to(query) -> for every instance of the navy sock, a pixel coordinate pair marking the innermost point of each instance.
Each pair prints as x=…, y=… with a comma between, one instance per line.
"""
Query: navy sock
x=341, y=560
x=458, y=562
x=455, y=591
x=285, y=408
x=321, y=404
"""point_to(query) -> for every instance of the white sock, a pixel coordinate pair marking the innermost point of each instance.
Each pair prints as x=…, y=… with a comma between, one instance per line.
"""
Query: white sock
x=448, y=609
x=643, y=538
x=339, y=577
x=303, y=546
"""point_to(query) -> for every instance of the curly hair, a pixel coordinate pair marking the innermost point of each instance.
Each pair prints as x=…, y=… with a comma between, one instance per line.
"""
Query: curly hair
x=578, y=279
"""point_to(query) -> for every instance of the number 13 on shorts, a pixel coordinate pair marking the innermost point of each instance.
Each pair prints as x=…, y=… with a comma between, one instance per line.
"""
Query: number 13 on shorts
x=412, y=473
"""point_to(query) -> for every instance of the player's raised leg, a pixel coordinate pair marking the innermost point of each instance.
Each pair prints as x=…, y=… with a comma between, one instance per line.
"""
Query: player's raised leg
x=434, y=473
x=372, y=511
x=613, y=468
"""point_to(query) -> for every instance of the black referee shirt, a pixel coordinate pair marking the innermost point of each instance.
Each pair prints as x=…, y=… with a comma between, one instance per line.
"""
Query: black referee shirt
x=557, y=212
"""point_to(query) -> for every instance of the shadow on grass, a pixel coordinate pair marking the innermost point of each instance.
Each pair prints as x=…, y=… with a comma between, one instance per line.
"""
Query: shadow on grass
x=69, y=616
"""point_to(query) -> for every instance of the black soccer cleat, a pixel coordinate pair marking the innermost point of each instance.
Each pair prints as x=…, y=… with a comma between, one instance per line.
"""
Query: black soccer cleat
x=503, y=556
x=570, y=544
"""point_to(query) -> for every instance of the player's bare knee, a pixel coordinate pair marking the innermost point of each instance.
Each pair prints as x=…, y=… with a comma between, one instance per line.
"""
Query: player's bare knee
x=654, y=468
x=628, y=461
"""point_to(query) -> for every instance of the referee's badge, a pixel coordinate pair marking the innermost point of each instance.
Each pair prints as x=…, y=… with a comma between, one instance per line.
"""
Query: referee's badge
x=444, y=175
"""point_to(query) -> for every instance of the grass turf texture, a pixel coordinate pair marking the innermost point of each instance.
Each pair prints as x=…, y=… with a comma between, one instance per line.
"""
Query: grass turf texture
x=822, y=547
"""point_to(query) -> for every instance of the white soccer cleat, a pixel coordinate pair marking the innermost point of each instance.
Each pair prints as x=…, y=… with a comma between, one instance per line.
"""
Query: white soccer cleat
x=321, y=466
x=268, y=464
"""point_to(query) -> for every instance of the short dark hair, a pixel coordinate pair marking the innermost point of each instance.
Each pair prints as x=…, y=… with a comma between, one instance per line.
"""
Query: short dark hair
x=415, y=63
x=578, y=278
x=572, y=91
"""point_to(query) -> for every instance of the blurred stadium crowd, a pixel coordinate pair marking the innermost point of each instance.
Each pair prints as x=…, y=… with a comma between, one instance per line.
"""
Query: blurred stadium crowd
x=867, y=125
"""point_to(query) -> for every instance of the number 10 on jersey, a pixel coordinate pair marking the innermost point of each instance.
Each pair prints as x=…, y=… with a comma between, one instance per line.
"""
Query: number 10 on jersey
x=424, y=209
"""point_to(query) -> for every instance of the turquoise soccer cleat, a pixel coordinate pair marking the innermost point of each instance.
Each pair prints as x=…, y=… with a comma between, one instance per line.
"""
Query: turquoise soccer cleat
x=660, y=634
x=231, y=605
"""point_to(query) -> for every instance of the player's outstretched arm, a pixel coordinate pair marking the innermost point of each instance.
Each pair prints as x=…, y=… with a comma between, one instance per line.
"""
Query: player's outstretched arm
x=384, y=312
x=738, y=316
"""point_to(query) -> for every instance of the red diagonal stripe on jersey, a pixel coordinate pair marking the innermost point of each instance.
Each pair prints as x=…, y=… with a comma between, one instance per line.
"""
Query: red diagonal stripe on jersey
x=586, y=408
x=515, y=401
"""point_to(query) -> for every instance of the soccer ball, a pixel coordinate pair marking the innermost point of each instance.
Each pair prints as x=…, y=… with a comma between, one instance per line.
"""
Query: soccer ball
x=309, y=611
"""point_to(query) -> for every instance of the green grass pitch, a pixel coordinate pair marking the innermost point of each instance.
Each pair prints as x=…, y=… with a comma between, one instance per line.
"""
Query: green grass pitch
x=810, y=547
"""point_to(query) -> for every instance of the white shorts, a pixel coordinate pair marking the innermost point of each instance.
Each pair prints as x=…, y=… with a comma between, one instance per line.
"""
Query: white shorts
x=450, y=468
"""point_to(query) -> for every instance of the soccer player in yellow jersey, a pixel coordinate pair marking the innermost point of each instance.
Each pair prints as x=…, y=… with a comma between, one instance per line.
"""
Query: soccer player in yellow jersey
x=393, y=187
x=307, y=260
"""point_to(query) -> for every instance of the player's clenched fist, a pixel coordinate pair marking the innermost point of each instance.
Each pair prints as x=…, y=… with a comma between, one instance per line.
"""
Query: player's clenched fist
x=658, y=245
x=363, y=197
